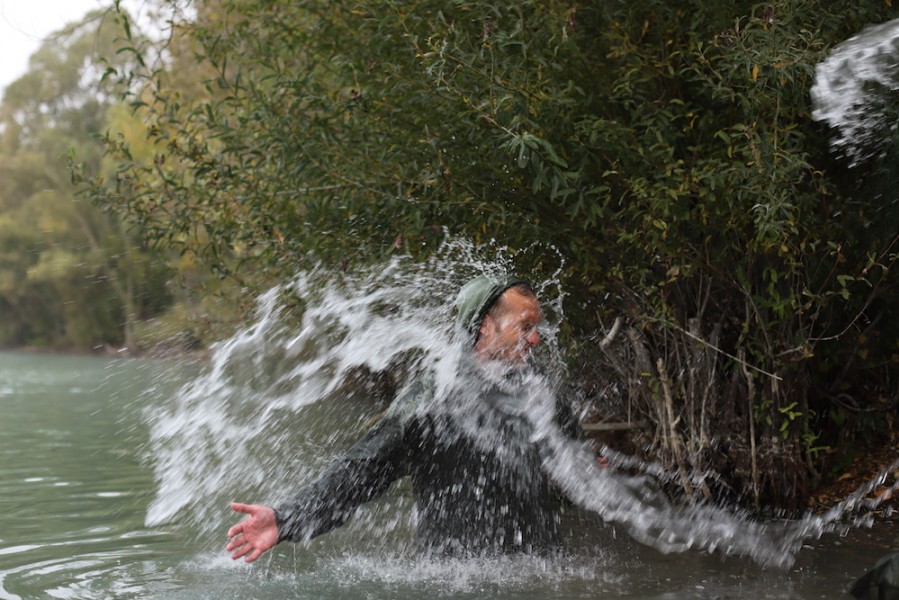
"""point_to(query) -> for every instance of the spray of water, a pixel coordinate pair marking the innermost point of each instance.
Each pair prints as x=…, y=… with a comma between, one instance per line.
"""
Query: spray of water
x=849, y=89
x=270, y=408
x=269, y=412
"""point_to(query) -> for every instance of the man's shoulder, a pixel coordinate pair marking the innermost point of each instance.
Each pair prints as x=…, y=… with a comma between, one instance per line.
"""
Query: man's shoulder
x=412, y=397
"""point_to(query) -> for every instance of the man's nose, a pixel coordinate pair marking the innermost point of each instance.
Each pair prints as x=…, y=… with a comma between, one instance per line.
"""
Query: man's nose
x=533, y=337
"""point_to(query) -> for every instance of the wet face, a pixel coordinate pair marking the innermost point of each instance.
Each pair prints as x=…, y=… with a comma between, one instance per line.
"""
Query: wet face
x=509, y=330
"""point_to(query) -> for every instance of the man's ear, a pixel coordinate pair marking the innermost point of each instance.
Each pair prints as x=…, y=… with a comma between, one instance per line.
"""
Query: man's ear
x=486, y=326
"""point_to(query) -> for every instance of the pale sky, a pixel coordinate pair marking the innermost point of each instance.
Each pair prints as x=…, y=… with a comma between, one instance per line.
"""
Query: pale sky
x=24, y=24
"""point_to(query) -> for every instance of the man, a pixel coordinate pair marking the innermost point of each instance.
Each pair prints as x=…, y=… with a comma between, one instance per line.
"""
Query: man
x=477, y=478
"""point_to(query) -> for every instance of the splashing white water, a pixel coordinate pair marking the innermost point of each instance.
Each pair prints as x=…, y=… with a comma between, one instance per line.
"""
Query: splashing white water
x=845, y=95
x=232, y=431
x=650, y=518
x=269, y=411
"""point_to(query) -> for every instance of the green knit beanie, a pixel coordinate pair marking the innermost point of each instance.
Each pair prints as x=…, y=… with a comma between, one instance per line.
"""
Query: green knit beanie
x=478, y=295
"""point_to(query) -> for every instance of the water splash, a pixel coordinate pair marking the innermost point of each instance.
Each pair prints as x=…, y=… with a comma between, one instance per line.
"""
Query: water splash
x=271, y=409
x=851, y=89
x=233, y=430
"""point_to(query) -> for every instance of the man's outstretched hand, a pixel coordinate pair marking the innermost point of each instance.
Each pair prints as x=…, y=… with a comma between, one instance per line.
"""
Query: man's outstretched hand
x=254, y=535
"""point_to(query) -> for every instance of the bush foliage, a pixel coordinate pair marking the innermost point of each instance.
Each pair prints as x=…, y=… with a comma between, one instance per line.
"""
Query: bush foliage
x=666, y=150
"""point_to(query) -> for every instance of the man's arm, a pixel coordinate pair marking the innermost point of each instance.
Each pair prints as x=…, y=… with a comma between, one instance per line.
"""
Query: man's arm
x=360, y=475
x=568, y=421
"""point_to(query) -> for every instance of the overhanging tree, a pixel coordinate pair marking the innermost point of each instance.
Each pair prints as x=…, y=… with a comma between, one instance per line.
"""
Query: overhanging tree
x=666, y=151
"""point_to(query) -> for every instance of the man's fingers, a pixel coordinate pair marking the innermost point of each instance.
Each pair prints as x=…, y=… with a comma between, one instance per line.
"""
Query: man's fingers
x=243, y=549
x=259, y=517
x=249, y=509
x=235, y=530
x=256, y=554
x=250, y=552
x=234, y=543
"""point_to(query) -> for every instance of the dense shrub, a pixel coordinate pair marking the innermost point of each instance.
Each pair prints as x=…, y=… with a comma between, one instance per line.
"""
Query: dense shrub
x=666, y=150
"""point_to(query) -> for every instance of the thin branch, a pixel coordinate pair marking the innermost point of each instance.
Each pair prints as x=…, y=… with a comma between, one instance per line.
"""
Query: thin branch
x=616, y=327
x=773, y=376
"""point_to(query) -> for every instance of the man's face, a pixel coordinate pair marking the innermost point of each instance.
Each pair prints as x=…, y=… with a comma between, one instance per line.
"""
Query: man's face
x=510, y=330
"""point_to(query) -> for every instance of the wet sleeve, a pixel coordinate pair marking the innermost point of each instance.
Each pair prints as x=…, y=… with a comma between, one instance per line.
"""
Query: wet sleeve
x=568, y=421
x=362, y=474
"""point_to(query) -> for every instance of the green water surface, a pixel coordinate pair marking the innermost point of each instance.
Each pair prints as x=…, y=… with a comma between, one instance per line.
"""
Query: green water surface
x=76, y=480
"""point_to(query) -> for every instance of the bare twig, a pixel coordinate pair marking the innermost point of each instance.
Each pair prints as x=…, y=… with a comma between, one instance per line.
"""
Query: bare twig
x=616, y=327
x=742, y=362
x=614, y=426
x=672, y=428
x=750, y=395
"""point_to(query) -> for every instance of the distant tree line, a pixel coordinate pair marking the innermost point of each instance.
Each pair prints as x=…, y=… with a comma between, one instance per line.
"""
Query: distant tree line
x=75, y=275
x=71, y=275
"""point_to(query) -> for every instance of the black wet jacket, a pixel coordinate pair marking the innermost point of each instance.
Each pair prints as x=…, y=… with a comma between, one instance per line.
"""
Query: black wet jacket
x=473, y=497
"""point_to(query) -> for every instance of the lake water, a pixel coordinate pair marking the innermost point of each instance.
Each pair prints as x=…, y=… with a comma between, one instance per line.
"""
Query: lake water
x=76, y=482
